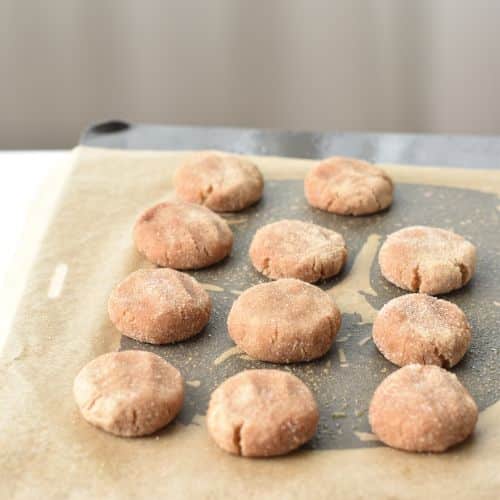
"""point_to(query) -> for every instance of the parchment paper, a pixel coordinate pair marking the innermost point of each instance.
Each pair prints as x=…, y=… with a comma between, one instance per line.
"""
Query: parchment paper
x=48, y=451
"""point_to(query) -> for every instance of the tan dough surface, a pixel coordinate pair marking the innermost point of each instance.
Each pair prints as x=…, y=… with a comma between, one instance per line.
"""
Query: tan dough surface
x=427, y=259
x=418, y=328
x=220, y=181
x=129, y=393
x=297, y=249
x=348, y=186
x=422, y=408
x=159, y=306
x=262, y=413
x=284, y=321
x=182, y=236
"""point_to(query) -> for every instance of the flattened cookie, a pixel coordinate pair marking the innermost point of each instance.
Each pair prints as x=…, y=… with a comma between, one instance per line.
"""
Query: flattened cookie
x=220, y=181
x=284, y=321
x=129, y=393
x=427, y=259
x=422, y=408
x=262, y=413
x=348, y=186
x=182, y=236
x=296, y=249
x=159, y=306
x=418, y=328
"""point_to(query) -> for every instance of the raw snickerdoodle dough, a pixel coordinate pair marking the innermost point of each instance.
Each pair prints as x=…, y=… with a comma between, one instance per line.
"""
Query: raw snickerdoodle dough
x=422, y=408
x=159, y=306
x=418, y=328
x=284, y=321
x=297, y=249
x=427, y=260
x=129, y=393
x=261, y=413
x=348, y=186
x=182, y=236
x=220, y=181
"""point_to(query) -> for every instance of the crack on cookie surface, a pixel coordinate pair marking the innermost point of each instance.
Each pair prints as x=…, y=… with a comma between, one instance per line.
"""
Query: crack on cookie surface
x=445, y=362
x=416, y=280
x=375, y=197
x=237, y=438
x=206, y=193
x=464, y=272
x=265, y=267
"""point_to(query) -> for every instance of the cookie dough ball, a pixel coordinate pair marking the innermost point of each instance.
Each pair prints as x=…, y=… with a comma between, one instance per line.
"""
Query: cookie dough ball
x=129, y=393
x=418, y=328
x=427, y=259
x=182, y=236
x=159, y=306
x=220, y=181
x=348, y=186
x=285, y=321
x=296, y=249
x=422, y=408
x=262, y=413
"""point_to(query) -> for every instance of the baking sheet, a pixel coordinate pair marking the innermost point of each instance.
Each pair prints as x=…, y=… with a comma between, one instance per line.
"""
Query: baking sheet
x=62, y=323
x=344, y=380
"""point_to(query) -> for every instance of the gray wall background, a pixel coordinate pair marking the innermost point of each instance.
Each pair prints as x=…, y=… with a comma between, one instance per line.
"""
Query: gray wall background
x=386, y=65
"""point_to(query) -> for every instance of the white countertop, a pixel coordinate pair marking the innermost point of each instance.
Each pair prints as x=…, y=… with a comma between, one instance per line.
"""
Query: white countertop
x=23, y=173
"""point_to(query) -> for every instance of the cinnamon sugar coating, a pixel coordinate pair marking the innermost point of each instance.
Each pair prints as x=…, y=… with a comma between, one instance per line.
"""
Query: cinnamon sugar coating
x=284, y=321
x=182, y=236
x=159, y=306
x=348, y=186
x=418, y=328
x=262, y=413
x=220, y=181
x=422, y=408
x=427, y=260
x=129, y=393
x=297, y=249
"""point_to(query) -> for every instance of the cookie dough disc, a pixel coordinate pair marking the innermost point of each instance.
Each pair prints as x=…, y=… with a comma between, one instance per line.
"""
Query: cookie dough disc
x=284, y=321
x=422, y=408
x=220, y=181
x=427, y=259
x=296, y=249
x=261, y=413
x=182, y=236
x=348, y=186
x=418, y=328
x=159, y=306
x=129, y=393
